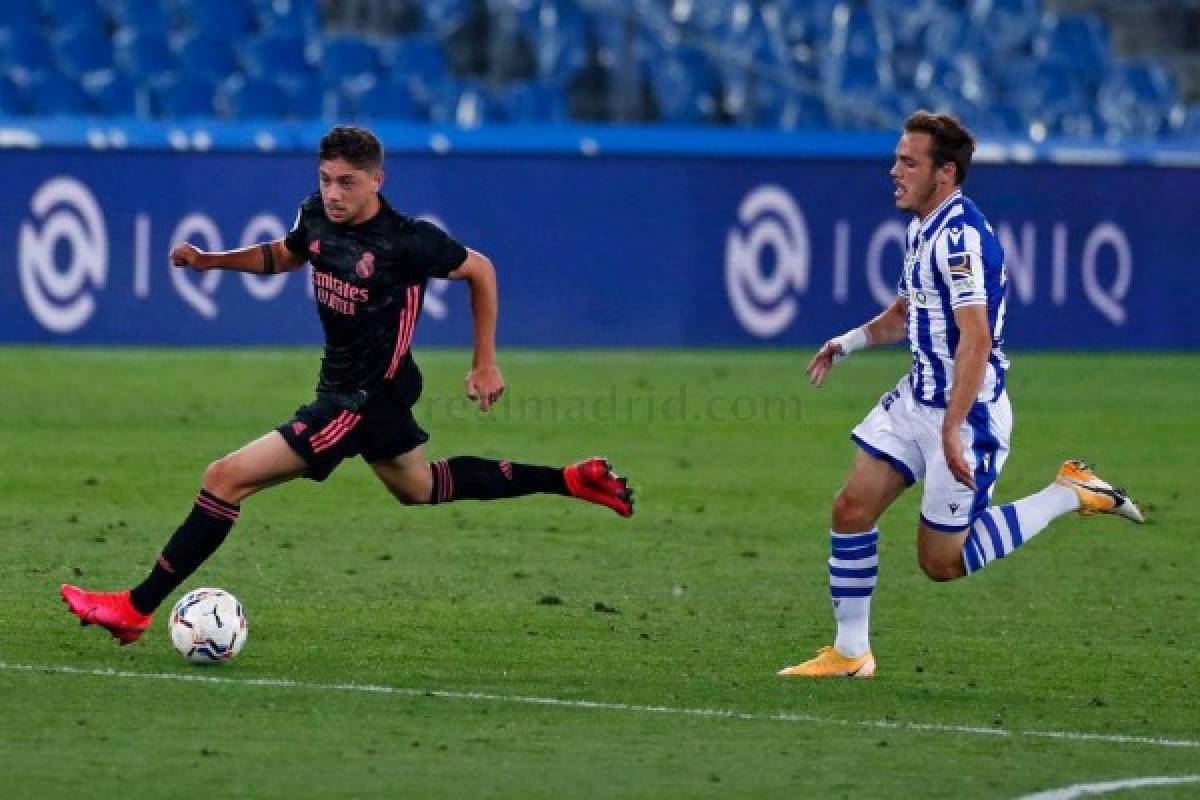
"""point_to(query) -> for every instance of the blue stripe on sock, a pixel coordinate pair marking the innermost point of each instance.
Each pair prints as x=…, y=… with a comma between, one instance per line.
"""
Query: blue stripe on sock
x=994, y=534
x=855, y=553
x=972, y=553
x=853, y=572
x=839, y=540
x=1014, y=526
x=851, y=591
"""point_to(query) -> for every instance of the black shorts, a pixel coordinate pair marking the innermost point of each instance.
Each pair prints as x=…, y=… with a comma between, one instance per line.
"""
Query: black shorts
x=376, y=424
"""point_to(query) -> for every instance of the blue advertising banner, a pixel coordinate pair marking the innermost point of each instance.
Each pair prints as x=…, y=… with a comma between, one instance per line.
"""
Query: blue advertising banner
x=613, y=250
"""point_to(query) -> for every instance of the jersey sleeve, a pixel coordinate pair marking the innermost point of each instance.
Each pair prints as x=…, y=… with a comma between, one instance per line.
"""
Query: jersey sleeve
x=958, y=258
x=433, y=253
x=296, y=240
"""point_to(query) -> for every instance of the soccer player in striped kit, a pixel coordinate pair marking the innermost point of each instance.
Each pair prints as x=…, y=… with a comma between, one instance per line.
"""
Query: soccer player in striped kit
x=948, y=421
x=370, y=267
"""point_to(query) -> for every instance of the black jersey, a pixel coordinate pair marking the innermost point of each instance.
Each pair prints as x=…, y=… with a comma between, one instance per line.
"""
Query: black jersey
x=369, y=281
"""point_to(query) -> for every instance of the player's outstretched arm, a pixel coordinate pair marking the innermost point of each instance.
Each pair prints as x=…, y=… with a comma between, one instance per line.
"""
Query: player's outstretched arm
x=484, y=383
x=887, y=328
x=266, y=258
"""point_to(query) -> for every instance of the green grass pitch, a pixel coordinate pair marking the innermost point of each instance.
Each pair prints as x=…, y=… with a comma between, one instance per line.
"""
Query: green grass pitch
x=546, y=648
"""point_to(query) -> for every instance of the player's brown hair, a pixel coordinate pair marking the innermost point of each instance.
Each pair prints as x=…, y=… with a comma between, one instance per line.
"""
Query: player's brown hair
x=358, y=147
x=952, y=143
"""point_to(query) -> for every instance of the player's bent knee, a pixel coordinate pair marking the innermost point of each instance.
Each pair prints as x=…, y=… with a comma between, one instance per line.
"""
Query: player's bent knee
x=221, y=478
x=940, y=568
x=411, y=496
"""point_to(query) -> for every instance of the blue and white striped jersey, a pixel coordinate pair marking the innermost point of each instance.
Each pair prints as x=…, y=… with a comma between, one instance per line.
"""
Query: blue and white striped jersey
x=952, y=259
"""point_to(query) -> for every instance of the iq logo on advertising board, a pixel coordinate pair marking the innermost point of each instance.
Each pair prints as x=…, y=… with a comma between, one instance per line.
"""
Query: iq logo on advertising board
x=767, y=261
x=64, y=213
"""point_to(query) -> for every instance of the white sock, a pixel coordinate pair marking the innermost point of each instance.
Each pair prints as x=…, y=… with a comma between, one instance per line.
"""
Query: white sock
x=999, y=530
x=853, y=569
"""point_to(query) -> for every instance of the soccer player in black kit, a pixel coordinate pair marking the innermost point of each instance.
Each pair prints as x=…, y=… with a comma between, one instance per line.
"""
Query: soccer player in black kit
x=370, y=266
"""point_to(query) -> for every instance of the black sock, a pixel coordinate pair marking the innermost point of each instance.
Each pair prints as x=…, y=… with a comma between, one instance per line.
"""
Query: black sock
x=196, y=539
x=471, y=478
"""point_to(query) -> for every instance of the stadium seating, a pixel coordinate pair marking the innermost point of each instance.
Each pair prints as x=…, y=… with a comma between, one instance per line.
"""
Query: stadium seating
x=1007, y=66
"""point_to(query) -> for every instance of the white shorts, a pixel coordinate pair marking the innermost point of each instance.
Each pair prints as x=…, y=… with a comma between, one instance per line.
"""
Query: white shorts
x=908, y=435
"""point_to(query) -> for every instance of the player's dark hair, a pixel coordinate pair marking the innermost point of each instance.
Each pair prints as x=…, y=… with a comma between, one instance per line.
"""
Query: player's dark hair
x=358, y=147
x=952, y=143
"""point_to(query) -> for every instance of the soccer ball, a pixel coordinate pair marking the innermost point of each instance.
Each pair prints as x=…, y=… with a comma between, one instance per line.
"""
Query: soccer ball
x=208, y=626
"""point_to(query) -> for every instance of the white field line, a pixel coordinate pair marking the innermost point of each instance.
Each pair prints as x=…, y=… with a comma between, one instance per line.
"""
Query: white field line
x=447, y=694
x=1092, y=789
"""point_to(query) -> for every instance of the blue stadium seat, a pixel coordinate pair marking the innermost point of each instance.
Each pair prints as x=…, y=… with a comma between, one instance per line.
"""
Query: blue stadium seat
x=206, y=55
x=25, y=56
x=560, y=46
x=347, y=59
x=444, y=16
x=950, y=35
x=275, y=56
x=531, y=102
x=141, y=16
x=995, y=120
x=1036, y=88
x=1185, y=123
x=687, y=88
x=67, y=17
x=906, y=20
x=21, y=16
x=856, y=33
x=1136, y=99
x=420, y=62
x=952, y=82
x=388, y=100
x=1079, y=41
x=184, y=96
x=511, y=53
x=252, y=98
x=1073, y=123
x=230, y=18
x=113, y=93
x=1011, y=24
x=465, y=104
x=777, y=106
x=52, y=94
x=83, y=50
x=288, y=17
x=12, y=99
x=143, y=53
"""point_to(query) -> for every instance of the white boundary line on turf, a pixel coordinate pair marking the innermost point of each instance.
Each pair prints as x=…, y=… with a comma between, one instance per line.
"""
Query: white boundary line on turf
x=447, y=694
x=1091, y=789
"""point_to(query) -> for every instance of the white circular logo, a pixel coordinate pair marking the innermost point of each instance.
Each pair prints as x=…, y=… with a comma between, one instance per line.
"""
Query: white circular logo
x=761, y=297
x=60, y=299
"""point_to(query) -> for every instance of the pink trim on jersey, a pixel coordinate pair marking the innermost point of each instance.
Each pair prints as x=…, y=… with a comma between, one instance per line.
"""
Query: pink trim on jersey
x=404, y=331
x=332, y=433
x=216, y=510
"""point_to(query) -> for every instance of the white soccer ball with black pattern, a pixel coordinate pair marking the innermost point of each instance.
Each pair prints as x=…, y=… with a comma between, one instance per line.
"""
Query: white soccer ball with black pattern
x=208, y=626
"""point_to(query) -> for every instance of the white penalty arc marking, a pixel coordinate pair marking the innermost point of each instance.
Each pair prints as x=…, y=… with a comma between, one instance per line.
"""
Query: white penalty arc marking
x=1093, y=789
x=449, y=694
